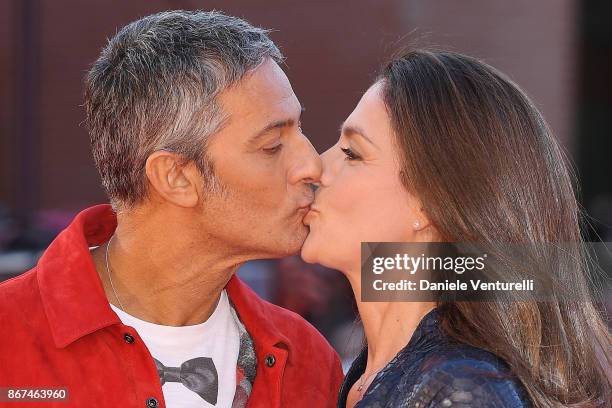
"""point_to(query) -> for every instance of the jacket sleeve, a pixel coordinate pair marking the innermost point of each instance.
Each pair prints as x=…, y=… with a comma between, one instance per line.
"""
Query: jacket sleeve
x=460, y=384
x=336, y=378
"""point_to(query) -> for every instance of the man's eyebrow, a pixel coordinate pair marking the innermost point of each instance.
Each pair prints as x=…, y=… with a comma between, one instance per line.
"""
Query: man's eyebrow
x=277, y=124
x=351, y=130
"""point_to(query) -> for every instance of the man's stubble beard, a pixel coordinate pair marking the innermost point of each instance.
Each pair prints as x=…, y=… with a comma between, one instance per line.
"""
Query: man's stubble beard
x=291, y=238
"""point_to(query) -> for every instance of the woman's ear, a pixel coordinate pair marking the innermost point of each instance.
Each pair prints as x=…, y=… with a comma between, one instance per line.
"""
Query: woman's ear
x=171, y=180
x=421, y=224
x=419, y=220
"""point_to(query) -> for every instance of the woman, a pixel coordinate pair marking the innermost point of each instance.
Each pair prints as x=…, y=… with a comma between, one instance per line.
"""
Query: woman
x=445, y=148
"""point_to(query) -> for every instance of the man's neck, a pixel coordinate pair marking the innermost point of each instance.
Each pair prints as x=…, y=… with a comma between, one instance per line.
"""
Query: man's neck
x=163, y=277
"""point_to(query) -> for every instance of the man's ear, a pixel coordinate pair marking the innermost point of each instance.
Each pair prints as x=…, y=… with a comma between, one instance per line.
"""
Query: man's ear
x=172, y=181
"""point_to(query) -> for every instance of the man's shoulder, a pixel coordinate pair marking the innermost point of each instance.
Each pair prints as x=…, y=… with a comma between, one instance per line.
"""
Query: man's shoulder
x=21, y=308
x=18, y=291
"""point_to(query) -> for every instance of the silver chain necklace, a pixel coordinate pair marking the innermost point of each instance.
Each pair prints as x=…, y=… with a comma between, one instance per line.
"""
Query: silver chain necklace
x=110, y=278
x=363, y=382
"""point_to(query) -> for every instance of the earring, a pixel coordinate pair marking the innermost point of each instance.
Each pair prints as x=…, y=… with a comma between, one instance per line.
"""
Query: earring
x=417, y=224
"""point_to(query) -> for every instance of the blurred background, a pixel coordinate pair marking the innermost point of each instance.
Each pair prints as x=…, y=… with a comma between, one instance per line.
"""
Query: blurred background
x=559, y=51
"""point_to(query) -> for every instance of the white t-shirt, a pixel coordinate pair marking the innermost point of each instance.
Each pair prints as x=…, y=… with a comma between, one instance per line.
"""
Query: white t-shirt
x=215, y=344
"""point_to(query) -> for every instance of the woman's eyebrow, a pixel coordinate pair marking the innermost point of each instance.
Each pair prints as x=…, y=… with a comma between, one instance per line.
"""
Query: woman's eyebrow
x=352, y=130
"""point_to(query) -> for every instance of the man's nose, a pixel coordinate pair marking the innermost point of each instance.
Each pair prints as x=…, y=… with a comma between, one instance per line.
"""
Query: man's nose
x=326, y=156
x=327, y=161
x=306, y=166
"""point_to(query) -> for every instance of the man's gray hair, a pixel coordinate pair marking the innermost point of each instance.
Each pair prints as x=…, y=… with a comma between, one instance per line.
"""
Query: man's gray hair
x=155, y=87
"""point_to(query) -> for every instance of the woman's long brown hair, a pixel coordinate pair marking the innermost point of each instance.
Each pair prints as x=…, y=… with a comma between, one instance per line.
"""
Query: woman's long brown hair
x=487, y=169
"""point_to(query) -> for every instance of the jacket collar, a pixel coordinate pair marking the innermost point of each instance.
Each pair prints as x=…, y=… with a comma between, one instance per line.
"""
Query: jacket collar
x=73, y=296
x=256, y=315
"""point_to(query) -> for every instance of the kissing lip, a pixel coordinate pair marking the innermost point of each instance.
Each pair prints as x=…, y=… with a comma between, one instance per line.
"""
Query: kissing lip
x=313, y=208
x=305, y=205
x=305, y=208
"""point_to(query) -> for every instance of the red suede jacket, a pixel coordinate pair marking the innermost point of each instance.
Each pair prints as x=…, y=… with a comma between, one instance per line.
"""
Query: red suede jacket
x=58, y=331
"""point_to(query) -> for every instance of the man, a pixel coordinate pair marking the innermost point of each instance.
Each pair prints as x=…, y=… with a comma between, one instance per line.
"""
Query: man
x=196, y=134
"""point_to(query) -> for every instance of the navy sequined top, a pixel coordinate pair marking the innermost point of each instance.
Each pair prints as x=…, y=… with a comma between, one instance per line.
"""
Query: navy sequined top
x=433, y=370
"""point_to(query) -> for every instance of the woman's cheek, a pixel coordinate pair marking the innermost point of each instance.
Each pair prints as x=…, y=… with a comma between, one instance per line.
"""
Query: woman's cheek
x=348, y=189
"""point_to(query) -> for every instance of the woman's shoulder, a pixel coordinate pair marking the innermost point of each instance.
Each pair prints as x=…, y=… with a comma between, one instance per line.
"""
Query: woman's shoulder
x=462, y=375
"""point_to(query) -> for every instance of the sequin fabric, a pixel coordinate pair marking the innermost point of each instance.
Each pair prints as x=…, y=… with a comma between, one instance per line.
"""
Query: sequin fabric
x=433, y=370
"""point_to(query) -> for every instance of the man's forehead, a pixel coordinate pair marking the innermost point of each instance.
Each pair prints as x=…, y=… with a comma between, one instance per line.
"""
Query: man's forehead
x=265, y=88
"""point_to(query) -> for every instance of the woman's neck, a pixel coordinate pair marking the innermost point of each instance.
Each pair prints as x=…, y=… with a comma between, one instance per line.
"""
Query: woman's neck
x=388, y=326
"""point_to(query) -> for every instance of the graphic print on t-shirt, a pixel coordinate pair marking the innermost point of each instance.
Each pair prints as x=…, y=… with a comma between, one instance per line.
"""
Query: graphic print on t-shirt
x=198, y=374
x=196, y=364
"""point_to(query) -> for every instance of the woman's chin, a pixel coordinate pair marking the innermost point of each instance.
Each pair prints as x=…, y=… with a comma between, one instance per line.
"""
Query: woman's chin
x=309, y=250
x=315, y=251
x=322, y=253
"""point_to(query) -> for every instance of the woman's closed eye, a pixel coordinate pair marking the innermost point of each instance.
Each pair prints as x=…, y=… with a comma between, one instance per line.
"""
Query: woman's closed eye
x=350, y=154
